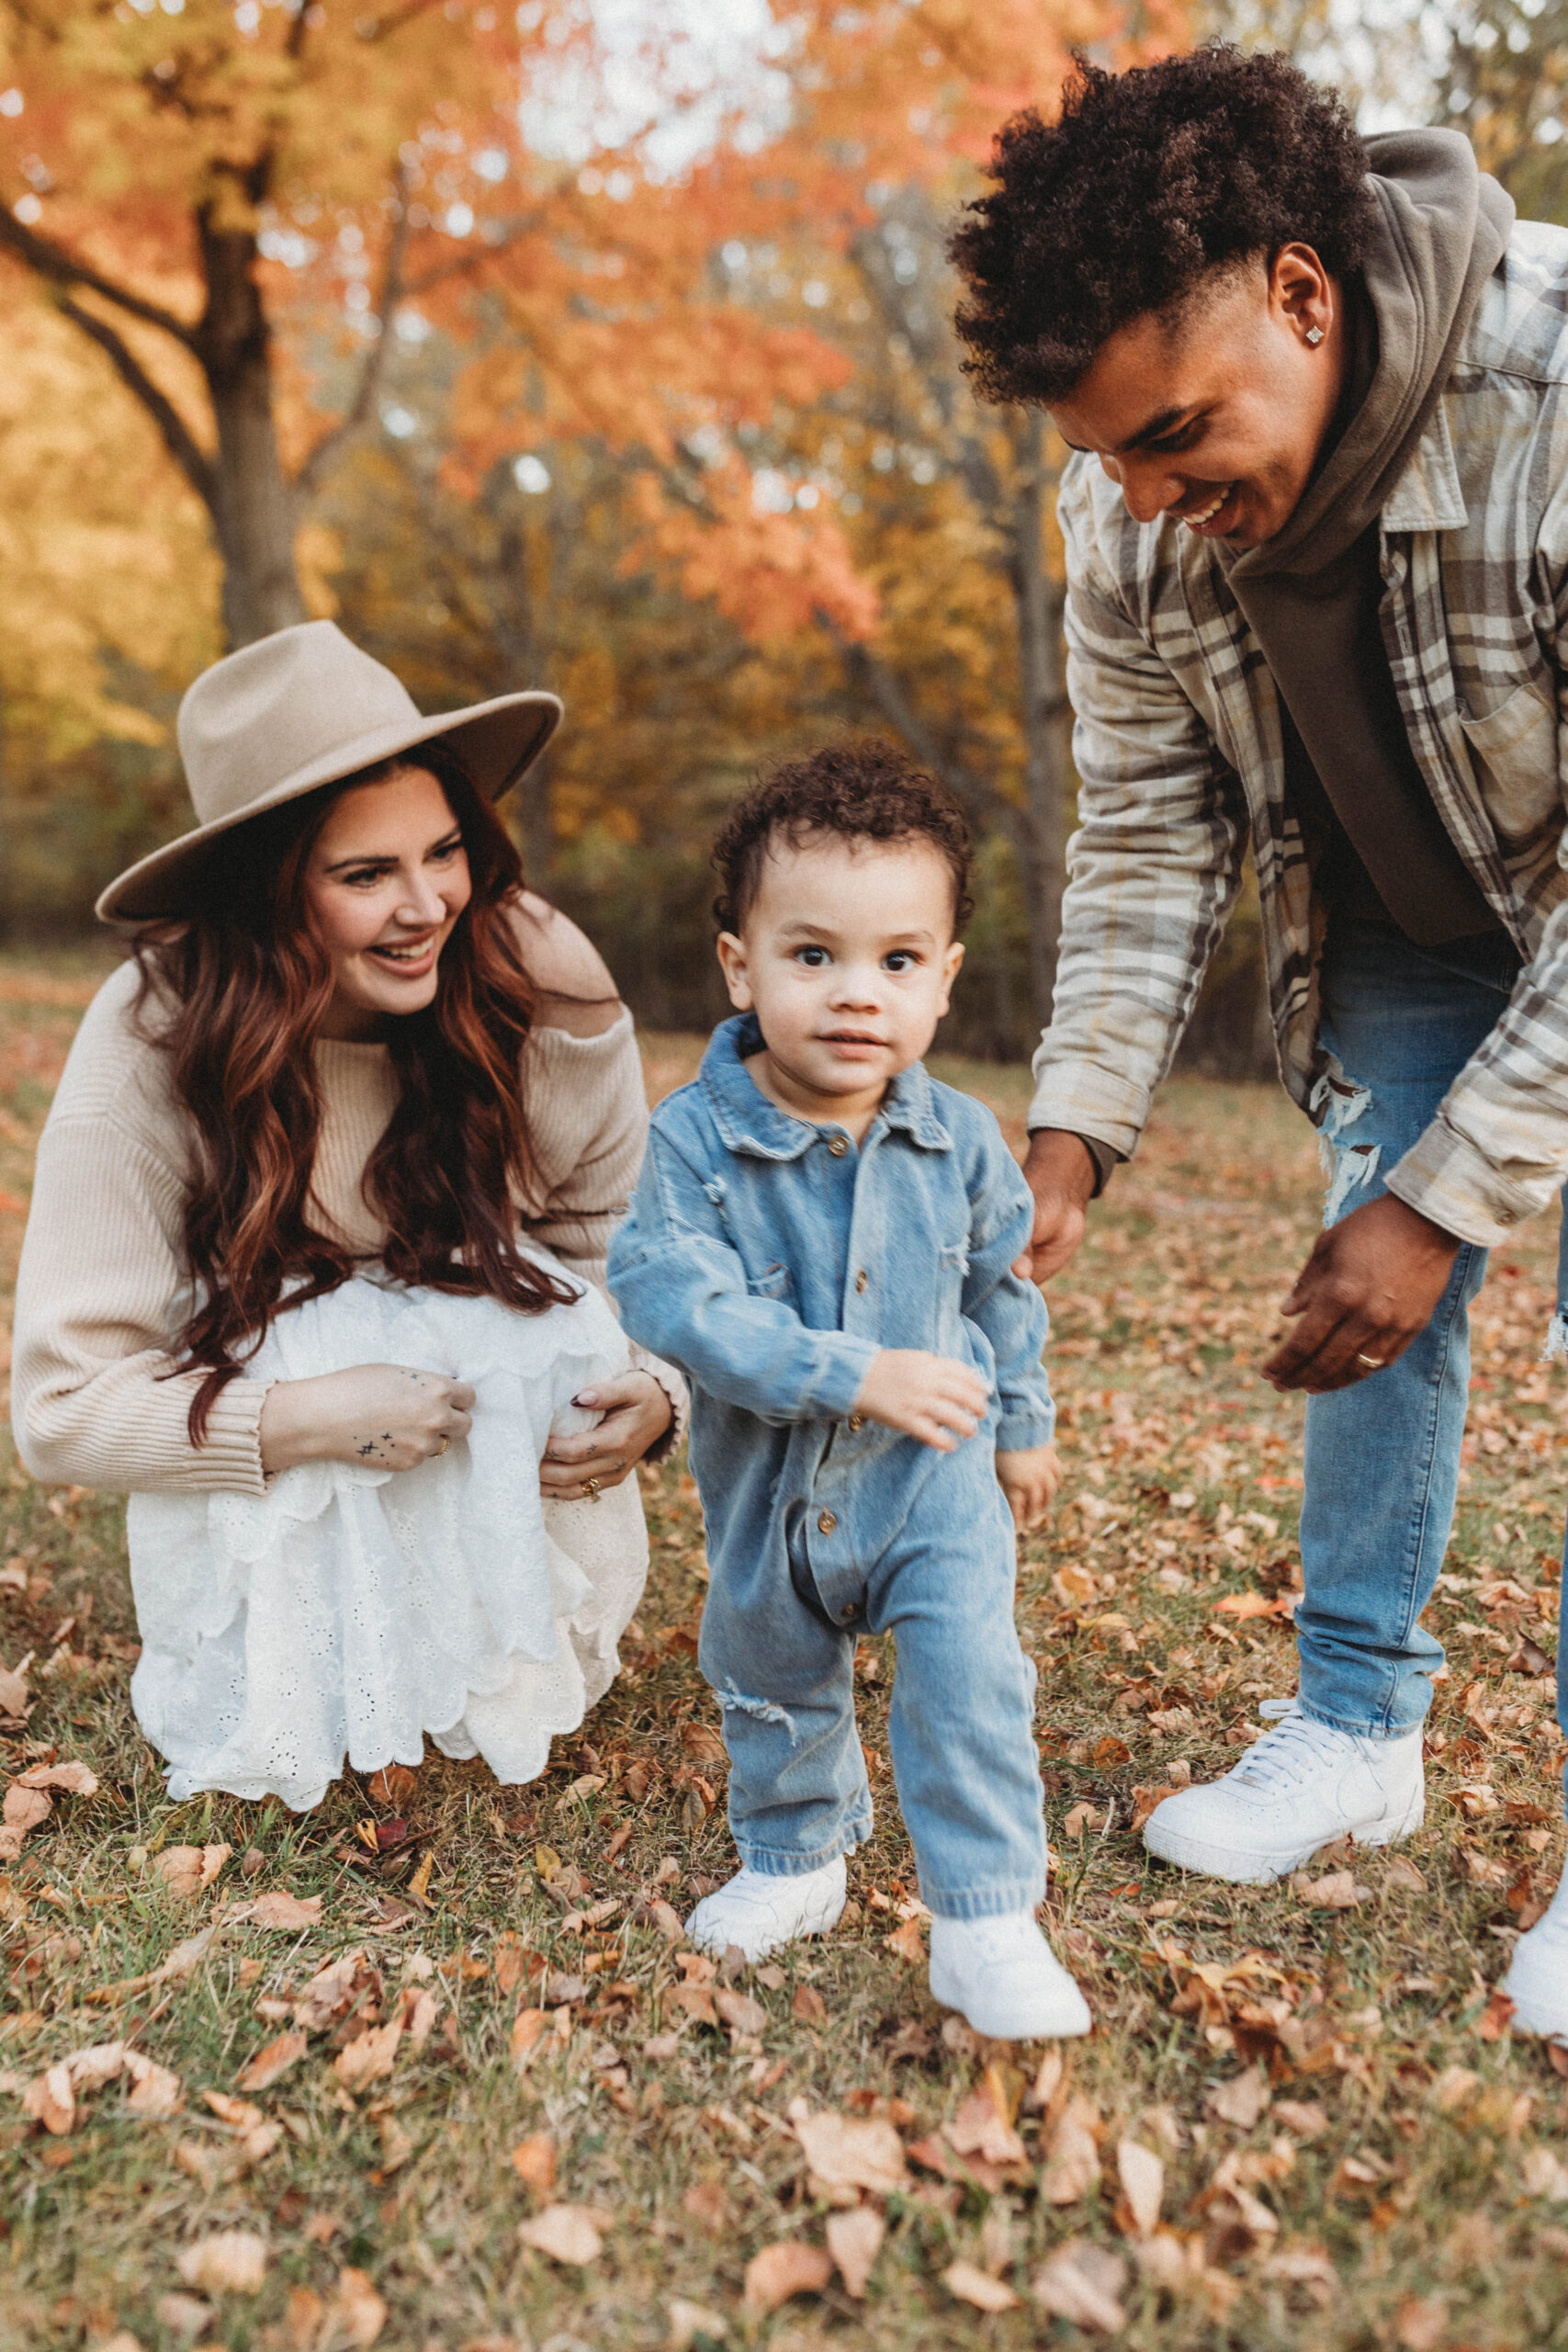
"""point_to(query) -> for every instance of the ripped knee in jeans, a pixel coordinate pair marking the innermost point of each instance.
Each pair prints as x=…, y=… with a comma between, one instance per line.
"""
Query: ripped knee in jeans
x=1347, y=1167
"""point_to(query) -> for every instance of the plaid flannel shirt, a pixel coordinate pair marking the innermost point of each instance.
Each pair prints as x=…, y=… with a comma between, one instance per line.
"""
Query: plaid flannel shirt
x=1177, y=747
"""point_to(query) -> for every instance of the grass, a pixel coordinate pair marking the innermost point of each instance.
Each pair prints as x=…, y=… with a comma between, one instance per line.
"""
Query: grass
x=1414, y=2209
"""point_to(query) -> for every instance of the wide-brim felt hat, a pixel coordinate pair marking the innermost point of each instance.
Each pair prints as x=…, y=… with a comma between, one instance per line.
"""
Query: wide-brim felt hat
x=301, y=708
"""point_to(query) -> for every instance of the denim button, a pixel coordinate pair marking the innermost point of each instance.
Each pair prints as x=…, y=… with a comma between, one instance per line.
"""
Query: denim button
x=862, y=1279
x=857, y=1422
x=845, y=1614
x=826, y=1521
x=837, y=1145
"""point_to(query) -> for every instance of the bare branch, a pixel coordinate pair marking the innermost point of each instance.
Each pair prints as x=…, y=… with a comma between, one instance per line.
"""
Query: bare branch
x=52, y=261
x=383, y=28
x=177, y=437
x=331, y=442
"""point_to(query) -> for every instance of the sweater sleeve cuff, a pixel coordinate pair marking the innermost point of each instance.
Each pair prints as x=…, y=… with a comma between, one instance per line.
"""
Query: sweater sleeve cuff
x=1446, y=1178
x=229, y=1457
x=1083, y=1100
x=674, y=1387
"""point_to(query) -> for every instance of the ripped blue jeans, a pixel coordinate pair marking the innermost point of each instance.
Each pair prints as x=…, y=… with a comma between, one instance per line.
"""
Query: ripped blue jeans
x=781, y=1663
x=1381, y=1468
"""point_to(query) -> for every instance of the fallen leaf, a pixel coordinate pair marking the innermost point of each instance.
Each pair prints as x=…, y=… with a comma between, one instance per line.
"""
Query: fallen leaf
x=790, y=2267
x=51, y=2100
x=1454, y=2086
x=981, y=2128
x=231, y=2262
x=14, y=1696
x=272, y=2060
x=534, y=2162
x=184, y=1961
x=1081, y=2283
x=1302, y=2119
x=1398, y=1872
x=527, y=2030
x=697, y=2000
x=1336, y=1891
x=566, y=2232
x=357, y=2310
x=1544, y=2175
x=908, y=1943
x=667, y=1919
x=854, y=2241
x=1143, y=2183
x=1241, y=2101
x=808, y=2006
x=1420, y=2322
x=704, y=1747
x=687, y=2321
x=183, y=2315
x=968, y=2284
x=369, y=2057
x=509, y=1958
x=1079, y=1818
x=76, y=1778
x=395, y=1786
x=100, y=2063
x=156, y=2091
x=739, y=2013
x=1072, y=2154
x=186, y=1871
x=278, y=1909
x=853, y=2152
x=1495, y=2019
x=419, y=2007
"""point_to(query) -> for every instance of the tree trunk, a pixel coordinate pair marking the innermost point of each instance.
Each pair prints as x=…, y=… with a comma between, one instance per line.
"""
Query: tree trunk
x=252, y=504
x=1047, y=721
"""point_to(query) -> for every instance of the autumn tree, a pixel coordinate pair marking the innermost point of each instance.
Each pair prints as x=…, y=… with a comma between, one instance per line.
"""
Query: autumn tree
x=231, y=200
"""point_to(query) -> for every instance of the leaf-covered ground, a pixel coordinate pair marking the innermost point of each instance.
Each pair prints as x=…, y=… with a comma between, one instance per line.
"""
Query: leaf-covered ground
x=432, y=2067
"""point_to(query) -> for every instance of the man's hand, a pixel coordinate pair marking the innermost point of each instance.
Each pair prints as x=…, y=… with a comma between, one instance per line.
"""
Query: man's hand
x=1029, y=1479
x=1061, y=1173
x=935, y=1399
x=1368, y=1288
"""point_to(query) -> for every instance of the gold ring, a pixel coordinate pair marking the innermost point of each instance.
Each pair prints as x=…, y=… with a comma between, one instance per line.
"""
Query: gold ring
x=590, y=1488
x=445, y=1443
x=1373, y=1363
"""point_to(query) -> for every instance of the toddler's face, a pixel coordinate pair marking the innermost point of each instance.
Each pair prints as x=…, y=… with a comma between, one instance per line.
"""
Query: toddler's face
x=848, y=958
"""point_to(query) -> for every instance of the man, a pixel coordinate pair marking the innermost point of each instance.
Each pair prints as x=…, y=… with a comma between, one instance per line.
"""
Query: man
x=1318, y=560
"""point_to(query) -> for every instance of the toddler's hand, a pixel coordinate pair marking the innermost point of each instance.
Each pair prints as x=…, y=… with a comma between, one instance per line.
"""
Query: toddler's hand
x=1029, y=1479
x=382, y=1416
x=931, y=1397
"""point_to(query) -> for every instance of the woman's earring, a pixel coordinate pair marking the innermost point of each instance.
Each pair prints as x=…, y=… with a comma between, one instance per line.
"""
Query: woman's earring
x=1314, y=336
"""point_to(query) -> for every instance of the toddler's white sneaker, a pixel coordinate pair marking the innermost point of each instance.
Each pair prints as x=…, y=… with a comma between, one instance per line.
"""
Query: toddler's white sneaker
x=1537, y=1981
x=1004, y=1977
x=1302, y=1786
x=762, y=1913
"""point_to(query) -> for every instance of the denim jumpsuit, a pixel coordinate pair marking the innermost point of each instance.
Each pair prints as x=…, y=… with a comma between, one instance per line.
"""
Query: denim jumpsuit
x=771, y=1259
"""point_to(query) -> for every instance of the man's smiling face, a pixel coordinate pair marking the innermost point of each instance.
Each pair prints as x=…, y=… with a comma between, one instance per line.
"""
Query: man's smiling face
x=1218, y=417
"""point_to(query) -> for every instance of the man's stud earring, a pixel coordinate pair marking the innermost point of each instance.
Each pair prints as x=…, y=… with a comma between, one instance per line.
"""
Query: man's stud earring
x=1314, y=336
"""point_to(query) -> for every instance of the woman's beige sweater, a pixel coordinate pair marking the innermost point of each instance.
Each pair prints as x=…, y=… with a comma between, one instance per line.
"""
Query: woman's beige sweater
x=102, y=1290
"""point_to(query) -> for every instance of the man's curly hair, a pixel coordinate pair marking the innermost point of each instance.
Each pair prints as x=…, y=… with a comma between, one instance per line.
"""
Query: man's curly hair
x=864, y=791
x=1148, y=182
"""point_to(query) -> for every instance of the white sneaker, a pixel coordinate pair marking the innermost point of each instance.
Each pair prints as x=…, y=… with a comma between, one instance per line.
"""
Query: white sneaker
x=1537, y=1981
x=1301, y=1787
x=1004, y=1978
x=759, y=1912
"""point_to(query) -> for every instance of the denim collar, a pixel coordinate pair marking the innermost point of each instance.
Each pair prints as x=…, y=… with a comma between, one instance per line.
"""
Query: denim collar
x=749, y=1123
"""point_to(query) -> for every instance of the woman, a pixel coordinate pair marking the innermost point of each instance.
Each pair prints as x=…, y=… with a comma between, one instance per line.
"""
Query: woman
x=318, y=1213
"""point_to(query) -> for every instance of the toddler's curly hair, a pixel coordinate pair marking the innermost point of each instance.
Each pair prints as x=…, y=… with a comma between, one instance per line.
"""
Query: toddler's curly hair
x=866, y=791
x=1148, y=182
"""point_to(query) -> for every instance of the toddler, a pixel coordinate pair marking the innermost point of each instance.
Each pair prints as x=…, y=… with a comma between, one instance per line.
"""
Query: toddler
x=823, y=1239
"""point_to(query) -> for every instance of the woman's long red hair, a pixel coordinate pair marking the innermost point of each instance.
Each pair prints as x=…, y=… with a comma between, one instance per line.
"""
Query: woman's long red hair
x=241, y=989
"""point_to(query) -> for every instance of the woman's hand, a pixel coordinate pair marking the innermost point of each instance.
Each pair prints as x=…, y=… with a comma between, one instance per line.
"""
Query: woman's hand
x=636, y=1414
x=381, y=1415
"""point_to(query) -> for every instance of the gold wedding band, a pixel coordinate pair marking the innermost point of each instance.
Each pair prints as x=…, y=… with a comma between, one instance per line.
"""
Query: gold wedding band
x=590, y=1488
x=1373, y=1363
x=445, y=1443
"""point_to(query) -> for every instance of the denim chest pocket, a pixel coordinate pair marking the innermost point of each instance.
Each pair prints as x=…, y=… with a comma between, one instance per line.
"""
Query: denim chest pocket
x=774, y=1282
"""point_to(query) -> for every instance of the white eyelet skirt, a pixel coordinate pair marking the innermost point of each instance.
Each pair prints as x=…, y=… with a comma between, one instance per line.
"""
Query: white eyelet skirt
x=348, y=1611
